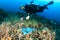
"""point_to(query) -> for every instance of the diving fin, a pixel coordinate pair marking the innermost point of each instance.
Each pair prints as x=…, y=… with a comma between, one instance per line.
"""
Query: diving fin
x=50, y=3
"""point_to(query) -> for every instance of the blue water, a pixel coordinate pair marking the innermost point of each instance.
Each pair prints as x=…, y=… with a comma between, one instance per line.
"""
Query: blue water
x=53, y=13
x=27, y=30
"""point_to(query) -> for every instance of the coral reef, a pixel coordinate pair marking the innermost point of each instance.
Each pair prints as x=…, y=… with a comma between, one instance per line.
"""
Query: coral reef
x=10, y=29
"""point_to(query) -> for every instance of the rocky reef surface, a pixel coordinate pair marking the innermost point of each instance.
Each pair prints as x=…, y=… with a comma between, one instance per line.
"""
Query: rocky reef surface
x=11, y=28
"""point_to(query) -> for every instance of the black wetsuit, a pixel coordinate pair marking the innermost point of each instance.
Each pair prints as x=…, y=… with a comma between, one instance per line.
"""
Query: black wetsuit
x=32, y=8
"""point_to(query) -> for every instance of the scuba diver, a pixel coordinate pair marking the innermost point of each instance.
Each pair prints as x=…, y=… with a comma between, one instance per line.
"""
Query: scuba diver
x=33, y=8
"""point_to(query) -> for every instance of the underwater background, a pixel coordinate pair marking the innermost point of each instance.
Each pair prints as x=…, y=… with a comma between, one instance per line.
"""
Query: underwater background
x=53, y=13
x=49, y=19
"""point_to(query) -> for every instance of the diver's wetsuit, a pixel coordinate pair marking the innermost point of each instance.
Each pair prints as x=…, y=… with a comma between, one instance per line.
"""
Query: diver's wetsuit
x=32, y=8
